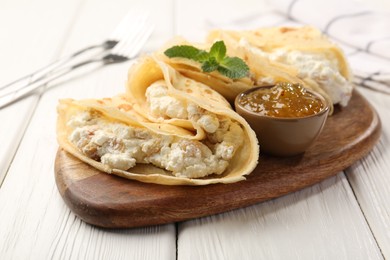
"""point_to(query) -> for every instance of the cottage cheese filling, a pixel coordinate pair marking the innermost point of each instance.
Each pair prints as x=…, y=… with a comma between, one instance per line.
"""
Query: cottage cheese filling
x=166, y=107
x=315, y=66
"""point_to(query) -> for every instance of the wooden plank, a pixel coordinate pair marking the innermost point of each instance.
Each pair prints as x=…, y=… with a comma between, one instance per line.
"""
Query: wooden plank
x=320, y=222
x=195, y=19
x=39, y=225
x=370, y=177
x=27, y=43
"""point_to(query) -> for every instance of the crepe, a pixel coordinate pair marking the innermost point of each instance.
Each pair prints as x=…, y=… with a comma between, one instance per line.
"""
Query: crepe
x=279, y=54
x=227, y=87
x=166, y=129
x=303, y=53
x=263, y=72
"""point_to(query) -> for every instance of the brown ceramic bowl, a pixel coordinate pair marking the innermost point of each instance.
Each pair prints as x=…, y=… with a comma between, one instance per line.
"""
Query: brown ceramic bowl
x=284, y=136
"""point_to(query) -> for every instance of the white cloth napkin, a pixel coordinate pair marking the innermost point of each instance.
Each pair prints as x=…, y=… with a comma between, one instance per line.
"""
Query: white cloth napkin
x=361, y=31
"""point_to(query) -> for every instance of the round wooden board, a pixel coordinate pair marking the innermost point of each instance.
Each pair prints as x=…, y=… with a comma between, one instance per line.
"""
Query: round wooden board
x=109, y=201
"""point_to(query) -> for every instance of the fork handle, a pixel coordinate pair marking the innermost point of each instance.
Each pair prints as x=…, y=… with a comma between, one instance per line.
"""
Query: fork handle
x=44, y=71
x=29, y=88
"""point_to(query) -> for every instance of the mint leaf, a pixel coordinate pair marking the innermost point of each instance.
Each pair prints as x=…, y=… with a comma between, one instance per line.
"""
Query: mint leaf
x=218, y=50
x=233, y=67
x=210, y=65
x=202, y=56
x=216, y=59
x=188, y=52
x=182, y=51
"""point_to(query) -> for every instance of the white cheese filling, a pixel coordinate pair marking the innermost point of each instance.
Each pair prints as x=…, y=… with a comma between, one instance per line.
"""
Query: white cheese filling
x=166, y=107
x=315, y=66
x=121, y=146
x=162, y=105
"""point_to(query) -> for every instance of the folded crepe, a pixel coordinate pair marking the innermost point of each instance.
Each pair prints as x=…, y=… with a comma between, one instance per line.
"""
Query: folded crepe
x=299, y=55
x=166, y=129
x=263, y=72
x=301, y=52
x=227, y=87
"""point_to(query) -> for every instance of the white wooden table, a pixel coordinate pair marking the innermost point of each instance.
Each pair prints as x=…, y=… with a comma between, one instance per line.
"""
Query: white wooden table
x=344, y=217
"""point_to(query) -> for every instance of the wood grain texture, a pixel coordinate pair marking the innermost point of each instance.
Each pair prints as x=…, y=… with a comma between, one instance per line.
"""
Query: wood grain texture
x=323, y=221
x=370, y=177
x=35, y=222
x=320, y=222
x=24, y=23
x=111, y=201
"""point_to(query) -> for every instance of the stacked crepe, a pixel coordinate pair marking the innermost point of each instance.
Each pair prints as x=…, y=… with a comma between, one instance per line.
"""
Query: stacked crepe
x=174, y=124
x=297, y=54
x=166, y=129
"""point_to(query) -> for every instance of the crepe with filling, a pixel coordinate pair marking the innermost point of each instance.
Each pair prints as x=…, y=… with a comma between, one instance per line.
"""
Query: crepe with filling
x=263, y=72
x=166, y=129
x=227, y=87
x=299, y=55
x=301, y=52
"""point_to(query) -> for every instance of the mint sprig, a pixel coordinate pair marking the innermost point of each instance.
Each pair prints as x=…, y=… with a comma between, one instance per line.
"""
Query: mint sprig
x=214, y=60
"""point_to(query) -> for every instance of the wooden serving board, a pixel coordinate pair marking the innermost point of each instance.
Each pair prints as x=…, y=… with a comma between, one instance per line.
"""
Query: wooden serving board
x=109, y=201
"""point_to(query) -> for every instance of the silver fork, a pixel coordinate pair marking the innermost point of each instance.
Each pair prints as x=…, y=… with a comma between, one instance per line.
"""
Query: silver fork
x=124, y=50
x=131, y=23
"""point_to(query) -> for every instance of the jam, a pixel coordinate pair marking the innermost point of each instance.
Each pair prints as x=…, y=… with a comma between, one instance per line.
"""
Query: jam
x=282, y=100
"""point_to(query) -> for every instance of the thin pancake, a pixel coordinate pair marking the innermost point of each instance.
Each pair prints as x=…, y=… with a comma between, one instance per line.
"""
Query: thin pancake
x=301, y=52
x=81, y=124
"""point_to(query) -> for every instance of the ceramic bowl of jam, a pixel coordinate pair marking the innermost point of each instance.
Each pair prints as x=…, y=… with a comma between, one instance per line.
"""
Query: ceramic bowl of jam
x=286, y=117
